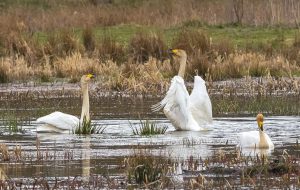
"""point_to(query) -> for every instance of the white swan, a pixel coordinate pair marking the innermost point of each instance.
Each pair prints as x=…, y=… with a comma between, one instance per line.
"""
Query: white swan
x=256, y=139
x=60, y=122
x=186, y=112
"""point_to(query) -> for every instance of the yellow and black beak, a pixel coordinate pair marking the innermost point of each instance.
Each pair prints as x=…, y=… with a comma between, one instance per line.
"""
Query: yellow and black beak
x=261, y=125
x=91, y=76
x=173, y=52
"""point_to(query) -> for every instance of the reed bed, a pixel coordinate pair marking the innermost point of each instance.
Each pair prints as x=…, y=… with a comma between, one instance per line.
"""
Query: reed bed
x=31, y=50
x=166, y=13
x=224, y=169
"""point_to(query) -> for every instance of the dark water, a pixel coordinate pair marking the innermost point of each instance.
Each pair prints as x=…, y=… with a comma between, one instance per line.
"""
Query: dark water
x=63, y=155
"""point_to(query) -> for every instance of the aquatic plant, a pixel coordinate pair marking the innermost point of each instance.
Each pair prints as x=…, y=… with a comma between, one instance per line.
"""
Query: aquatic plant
x=87, y=128
x=12, y=125
x=147, y=128
x=144, y=169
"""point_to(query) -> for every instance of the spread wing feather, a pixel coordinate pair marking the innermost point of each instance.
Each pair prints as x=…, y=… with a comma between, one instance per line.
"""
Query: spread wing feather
x=201, y=108
x=176, y=103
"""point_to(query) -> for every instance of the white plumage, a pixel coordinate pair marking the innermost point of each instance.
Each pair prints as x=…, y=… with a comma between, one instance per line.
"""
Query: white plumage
x=59, y=122
x=186, y=112
x=252, y=139
x=256, y=139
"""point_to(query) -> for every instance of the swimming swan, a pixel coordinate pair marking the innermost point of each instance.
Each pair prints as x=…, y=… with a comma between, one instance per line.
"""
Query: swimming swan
x=186, y=112
x=256, y=139
x=60, y=122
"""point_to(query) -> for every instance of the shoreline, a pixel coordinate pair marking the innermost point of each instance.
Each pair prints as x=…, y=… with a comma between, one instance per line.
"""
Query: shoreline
x=247, y=86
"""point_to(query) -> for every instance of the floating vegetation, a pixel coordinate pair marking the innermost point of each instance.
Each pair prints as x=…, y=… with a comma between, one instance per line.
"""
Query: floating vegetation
x=87, y=128
x=12, y=125
x=147, y=128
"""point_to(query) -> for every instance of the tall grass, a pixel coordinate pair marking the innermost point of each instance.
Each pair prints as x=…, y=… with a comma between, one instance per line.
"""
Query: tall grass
x=44, y=15
x=32, y=49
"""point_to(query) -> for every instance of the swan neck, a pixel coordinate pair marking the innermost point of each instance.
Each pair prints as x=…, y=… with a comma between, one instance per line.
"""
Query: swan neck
x=85, y=103
x=262, y=140
x=182, y=66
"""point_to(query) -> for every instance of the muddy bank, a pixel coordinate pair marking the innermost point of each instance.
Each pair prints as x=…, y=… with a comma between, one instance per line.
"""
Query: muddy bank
x=246, y=86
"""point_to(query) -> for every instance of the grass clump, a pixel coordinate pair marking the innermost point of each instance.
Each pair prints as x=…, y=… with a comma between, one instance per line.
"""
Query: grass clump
x=147, y=128
x=89, y=40
x=146, y=169
x=110, y=49
x=12, y=125
x=87, y=128
x=143, y=46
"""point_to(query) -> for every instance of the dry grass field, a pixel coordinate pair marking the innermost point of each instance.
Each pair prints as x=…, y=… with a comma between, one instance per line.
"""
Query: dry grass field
x=125, y=42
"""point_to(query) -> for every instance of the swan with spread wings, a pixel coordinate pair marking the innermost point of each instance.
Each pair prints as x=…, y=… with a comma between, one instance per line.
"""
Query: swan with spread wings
x=61, y=122
x=186, y=112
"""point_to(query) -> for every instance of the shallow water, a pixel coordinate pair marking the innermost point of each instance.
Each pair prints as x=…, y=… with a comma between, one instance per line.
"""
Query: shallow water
x=117, y=142
x=63, y=155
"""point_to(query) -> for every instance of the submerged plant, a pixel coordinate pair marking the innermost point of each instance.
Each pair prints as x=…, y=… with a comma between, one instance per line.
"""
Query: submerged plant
x=87, y=128
x=12, y=125
x=148, y=128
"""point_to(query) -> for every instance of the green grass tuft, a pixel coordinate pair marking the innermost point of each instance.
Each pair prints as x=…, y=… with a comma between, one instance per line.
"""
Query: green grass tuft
x=12, y=125
x=87, y=128
x=147, y=128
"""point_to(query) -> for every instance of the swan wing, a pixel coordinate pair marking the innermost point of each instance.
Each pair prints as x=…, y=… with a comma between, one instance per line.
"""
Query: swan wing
x=201, y=108
x=176, y=104
x=59, y=120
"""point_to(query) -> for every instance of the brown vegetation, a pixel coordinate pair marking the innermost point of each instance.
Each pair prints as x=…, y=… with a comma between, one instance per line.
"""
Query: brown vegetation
x=67, y=53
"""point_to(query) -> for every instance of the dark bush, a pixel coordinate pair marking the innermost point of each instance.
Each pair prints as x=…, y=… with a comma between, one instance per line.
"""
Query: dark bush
x=88, y=38
x=109, y=48
x=144, y=45
x=192, y=41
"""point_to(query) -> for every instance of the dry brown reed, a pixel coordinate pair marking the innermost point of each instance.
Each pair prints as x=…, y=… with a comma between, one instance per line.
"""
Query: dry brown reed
x=160, y=13
x=240, y=64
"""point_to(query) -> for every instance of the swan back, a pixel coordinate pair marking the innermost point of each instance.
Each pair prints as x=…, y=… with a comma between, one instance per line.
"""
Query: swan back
x=59, y=120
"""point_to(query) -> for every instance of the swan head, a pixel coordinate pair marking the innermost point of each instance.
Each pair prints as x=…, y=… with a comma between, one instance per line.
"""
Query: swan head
x=260, y=121
x=178, y=53
x=87, y=78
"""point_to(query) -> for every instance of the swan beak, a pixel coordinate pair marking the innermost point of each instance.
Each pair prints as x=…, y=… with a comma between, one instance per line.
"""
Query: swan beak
x=91, y=76
x=261, y=125
x=173, y=51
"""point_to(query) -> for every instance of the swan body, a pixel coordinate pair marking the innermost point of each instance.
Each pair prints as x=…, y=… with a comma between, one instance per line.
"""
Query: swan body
x=59, y=122
x=256, y=139
x=186, y=112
